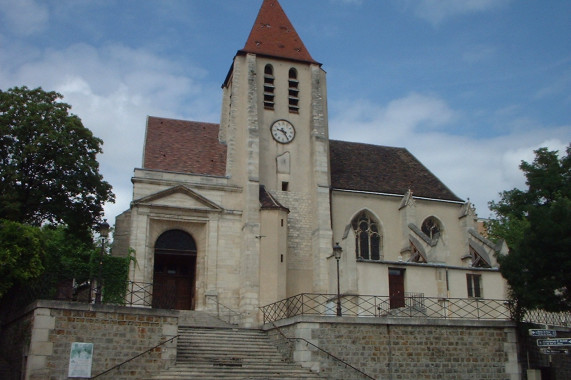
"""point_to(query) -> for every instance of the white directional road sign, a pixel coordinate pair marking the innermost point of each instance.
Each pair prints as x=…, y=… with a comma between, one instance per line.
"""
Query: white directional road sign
x=543, y=333
x=559, y=342
x=553, y=351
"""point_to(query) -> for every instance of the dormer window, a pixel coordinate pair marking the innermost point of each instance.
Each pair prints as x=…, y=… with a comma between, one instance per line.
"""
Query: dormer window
x=269, y=88
x=293, y=96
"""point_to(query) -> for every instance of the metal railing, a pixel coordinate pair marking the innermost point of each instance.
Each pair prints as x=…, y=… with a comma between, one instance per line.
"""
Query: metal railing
x=139, y=294
x=542, y=317
x=118, y=366
x=409, y=305
x=325, y=352
x=223, y=312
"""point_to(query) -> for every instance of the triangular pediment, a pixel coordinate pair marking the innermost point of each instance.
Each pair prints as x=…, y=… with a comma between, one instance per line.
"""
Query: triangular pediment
x=179, y=197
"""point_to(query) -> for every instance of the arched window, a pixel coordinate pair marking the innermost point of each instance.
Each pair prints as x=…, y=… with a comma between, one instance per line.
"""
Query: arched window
x=175, y=241
x=431, y=228
x=293, y=91
x=368, y=237
x=269, y=88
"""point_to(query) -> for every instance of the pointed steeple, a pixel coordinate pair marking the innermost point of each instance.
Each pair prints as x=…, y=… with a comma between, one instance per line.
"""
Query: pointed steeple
x=273, y=35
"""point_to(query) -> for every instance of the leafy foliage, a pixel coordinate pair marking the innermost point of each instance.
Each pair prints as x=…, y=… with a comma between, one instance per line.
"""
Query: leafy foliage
x=115, y=276
x=40, y=263
x=21, y=254
x=48, y=167
x=536, y=225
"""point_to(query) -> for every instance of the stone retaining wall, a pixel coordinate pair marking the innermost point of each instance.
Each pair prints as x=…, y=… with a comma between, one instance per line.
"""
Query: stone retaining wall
x=117, y=334
x=405, y=348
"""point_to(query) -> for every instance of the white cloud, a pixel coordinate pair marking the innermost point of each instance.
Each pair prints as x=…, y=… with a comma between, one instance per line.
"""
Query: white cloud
x=435, y=11
x=112, y=89
x=395, y=122
x=24, y=17
x=477, y=169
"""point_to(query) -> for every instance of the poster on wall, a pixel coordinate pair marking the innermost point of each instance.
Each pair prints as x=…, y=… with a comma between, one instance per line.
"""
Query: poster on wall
x=80, y=360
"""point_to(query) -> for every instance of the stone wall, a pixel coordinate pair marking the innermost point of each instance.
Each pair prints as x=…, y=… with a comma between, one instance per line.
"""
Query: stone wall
x=394, y=348
x=117, y=333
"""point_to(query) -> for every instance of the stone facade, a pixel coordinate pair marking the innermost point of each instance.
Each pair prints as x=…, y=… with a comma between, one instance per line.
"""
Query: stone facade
x=48, y=328
x=245, y=256
x=403, y=348
x=384, y=348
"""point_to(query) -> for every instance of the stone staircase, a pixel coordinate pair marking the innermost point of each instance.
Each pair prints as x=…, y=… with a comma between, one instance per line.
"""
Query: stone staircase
x=229, y=353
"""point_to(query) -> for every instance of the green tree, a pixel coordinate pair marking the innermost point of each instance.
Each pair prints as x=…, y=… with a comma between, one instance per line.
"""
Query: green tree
x=21, y=252
x=536, y=224
x=48, y=167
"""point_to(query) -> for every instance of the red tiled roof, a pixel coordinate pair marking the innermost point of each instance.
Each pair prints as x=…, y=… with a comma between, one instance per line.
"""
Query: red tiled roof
x=382, y=169
x=193, y=147
x=274, y=35
x=267, y=201
x=184, y=146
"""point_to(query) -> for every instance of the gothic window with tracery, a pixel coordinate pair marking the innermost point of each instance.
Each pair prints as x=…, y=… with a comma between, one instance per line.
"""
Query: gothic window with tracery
x=293, y=91
x=269, y=87
x=368, y=237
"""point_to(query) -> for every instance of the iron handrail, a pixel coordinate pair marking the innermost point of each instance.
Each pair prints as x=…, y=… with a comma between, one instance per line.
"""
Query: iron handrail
x=329, y=354
x=134, y=357
x=407, y=305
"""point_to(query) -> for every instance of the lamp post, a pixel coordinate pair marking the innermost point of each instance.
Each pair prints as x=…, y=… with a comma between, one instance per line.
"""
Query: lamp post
x=103, y=232
x=337, y=250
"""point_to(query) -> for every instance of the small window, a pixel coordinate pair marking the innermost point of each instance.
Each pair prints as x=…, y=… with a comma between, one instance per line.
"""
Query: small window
x=431, y=227
x=285, y=186
x=474, y=285
x=368, y=238
x=269, y=88
x=293, y=91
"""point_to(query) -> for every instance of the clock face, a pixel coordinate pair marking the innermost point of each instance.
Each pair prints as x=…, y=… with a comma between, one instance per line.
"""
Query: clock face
x=283, y=131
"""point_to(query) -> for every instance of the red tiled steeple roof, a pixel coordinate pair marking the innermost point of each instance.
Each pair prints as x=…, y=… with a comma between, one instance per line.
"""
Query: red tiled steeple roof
x=274, y=35
x=184, y=146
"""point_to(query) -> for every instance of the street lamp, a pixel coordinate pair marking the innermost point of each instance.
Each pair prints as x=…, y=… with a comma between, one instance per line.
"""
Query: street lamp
x=337, y=250
x=103, y=232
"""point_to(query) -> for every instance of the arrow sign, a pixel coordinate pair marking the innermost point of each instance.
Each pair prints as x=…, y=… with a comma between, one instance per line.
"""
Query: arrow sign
x=553, y=351
x=559, y=342
x=543, y=333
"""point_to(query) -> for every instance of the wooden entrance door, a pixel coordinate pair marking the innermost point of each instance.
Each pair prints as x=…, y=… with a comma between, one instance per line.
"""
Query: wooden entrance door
x=173, y=283
x=174, y=277
x=396, y=288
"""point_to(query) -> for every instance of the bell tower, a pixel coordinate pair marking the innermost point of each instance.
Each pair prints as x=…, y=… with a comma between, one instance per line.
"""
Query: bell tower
x=274, y=123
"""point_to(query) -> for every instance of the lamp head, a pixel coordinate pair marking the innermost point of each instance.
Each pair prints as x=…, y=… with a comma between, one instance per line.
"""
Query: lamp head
x=337, y=251
x=104, y=229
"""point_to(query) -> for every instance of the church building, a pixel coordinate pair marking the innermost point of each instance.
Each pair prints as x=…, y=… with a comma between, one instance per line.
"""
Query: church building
x=247, y=212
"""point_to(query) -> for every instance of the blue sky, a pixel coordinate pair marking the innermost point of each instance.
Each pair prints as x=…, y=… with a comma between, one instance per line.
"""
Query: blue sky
x=470, y=87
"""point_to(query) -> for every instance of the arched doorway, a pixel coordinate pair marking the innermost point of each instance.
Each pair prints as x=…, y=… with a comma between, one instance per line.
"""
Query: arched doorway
x=174, y=274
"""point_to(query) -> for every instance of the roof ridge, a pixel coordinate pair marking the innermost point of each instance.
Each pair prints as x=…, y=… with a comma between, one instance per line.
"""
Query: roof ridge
x=183, y=120
x=369, y=144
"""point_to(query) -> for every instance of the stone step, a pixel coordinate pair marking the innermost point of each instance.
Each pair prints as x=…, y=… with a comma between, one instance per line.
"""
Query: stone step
x=229, y=354
x=195, y=318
